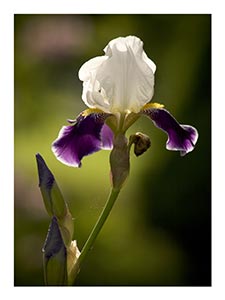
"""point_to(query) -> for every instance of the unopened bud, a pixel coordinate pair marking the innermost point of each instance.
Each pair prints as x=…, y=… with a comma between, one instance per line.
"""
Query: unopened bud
x=54, y=201
x=54, y=256
x=141, y=143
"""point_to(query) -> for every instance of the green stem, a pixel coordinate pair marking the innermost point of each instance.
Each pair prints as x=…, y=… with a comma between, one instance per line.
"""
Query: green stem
x=98, y=226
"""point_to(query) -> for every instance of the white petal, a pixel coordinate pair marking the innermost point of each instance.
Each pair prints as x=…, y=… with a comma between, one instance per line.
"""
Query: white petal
x=120, y=81
x=89, y=66
x=150, y=63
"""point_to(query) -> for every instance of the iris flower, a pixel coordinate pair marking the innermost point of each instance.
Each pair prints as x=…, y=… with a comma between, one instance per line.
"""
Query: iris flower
x=117, y=89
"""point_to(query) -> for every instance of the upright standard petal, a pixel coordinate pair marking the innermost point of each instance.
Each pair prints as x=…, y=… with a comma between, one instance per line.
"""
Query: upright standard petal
x=86, y=136
x=122, y=80
x=180, y=137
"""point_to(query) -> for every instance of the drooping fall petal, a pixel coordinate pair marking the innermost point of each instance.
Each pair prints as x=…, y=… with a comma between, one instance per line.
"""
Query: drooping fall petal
x=89, y=134
x=180, y=137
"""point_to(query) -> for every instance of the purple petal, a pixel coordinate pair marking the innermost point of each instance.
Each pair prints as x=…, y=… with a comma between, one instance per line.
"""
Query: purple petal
x=83, y=138
x=106, y=137
x=180, y=137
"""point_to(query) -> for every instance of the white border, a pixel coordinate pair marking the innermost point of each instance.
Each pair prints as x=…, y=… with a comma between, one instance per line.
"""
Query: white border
x=115, y=6
x=7, y=11
x=6, y=150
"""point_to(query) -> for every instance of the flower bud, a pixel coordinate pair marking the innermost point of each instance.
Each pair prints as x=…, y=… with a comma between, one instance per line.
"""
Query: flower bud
x=141, y=143
x=53, y=200
x=54, y=256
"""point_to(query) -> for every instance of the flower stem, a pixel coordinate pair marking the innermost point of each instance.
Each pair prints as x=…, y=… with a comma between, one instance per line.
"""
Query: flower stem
x=99, y=224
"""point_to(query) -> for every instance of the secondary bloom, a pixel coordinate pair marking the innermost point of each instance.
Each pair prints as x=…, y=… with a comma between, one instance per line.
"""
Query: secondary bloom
x=117, y=88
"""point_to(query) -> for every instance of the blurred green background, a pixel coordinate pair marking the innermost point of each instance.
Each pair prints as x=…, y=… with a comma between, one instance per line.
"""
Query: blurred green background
x=159, y=231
